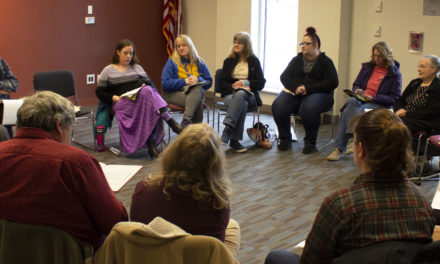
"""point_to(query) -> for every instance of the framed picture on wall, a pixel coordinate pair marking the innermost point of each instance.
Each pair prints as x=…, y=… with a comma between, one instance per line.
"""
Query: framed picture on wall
x=415, y=43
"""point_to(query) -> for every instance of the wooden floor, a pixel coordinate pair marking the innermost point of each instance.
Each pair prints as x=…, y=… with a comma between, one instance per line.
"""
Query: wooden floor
x=276, y=194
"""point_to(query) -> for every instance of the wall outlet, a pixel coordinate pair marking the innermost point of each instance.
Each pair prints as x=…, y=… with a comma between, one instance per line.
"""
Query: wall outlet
x=90, y=20
x=90, y=78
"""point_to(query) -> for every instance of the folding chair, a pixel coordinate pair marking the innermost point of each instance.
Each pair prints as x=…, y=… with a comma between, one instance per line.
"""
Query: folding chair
x=431, y=145
x=62, y=83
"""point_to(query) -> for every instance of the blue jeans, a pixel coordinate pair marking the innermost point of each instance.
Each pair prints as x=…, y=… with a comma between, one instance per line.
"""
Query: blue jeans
x=281, y=257
x=308, y=107
x=238, y=104
x=352, y=108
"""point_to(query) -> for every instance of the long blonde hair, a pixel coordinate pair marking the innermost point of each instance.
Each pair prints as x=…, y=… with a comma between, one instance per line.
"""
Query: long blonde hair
x=193, y=55
x=194, y=163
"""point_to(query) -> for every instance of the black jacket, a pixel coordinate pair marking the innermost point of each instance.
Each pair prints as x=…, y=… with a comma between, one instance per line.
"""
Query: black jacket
x=256, y=77
x=432, y=110
x=322, y=79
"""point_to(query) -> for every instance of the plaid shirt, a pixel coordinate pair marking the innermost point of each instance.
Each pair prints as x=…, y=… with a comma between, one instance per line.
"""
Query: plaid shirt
x=370, y=211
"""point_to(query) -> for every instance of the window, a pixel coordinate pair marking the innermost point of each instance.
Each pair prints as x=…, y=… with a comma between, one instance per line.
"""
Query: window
x=274, y=29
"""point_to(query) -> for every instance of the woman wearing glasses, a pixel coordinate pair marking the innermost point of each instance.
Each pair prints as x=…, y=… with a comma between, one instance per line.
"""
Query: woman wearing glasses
x=309, y=81
x=180, y=78
x=419, y=105
x=240, y=84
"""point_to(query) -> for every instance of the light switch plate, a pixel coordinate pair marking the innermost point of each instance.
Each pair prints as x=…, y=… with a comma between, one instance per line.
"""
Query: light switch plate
x=90, y=9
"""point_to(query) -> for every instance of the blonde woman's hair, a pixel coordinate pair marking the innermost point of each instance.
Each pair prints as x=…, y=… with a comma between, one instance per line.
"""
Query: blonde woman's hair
x=193, y=55
x=194, y=164
x=43, y=109
x=245, y=38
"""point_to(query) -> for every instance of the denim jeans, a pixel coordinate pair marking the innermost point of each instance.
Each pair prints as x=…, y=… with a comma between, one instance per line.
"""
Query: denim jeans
x=308, y=107
x=352, y=108
x=238, y=104
x=281, y=257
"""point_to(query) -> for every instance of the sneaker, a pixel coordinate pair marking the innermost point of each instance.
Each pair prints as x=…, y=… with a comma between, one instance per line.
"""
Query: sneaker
x=349, y=147
x=236, y=146
x=335, y=155
x=226, y=135
x=309, y=148
x=284, y=144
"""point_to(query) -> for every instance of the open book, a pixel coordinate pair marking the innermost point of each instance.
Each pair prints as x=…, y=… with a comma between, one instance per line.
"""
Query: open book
x=118, y=175
x=185, y=89
x=131, y=94
x=353, y=94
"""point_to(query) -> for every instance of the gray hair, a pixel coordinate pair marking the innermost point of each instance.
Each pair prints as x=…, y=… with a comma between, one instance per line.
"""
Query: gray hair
x=435, y=62
x=43, y=109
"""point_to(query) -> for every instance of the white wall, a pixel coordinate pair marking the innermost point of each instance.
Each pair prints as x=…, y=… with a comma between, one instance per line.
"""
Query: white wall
x=397, y=18
x=346, y=29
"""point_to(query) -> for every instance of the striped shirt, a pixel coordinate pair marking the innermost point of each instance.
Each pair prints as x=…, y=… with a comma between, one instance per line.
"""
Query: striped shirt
x=370, y=211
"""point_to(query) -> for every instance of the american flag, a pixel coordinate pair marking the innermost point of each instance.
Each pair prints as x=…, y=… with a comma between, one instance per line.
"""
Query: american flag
x=172, y=22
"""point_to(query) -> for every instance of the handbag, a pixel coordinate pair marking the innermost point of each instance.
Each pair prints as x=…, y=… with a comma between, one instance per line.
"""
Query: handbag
x=259, y=134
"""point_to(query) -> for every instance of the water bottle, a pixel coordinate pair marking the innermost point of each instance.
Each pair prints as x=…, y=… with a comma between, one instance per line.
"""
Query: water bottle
x=100, y=147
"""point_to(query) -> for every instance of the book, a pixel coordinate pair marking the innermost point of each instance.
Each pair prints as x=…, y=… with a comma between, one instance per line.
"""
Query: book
x=353, y=94
x=118, y=175
x=10, y=108
x=131, y=94
x=185, y=89
x=247, y=91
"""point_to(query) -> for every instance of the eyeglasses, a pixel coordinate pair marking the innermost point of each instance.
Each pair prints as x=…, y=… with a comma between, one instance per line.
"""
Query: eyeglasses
x=305, y=43
x=422, y=66
x=237, y=42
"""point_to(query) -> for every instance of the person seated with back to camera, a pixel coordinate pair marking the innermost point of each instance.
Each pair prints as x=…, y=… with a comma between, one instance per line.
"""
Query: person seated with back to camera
x=8, y=84
x=241, y=81
x=378, y=84
x=45, y=181
x=192, y=189
x=419, y=105
x=140, y=120
x=381, y=205
x=309, y=81
x=185, y=67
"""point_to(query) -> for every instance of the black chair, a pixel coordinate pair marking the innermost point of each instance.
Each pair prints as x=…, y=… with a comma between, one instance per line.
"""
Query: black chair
x=222, y=108
x=62, y=83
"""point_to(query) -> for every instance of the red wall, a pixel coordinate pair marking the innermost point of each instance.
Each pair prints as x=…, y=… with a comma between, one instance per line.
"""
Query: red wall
x=51, y=35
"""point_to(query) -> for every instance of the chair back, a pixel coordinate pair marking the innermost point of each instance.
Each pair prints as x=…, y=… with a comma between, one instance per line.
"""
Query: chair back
x=60, y=82
x=218, y=73
x=160, y=242
x=22, y=243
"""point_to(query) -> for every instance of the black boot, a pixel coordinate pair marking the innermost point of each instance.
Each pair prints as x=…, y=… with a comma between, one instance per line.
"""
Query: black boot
x=176, y=127
x=152, y=150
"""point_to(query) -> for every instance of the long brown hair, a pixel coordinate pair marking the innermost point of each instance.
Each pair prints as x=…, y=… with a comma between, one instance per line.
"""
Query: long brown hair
x=245, y=38
x=385, y=51
x=194, y=163
x=386, y=140
x=122, y=44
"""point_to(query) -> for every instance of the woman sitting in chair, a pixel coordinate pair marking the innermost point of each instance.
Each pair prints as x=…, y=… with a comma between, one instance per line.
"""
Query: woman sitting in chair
x=240, y=84
x=192, y=189
x=378, y=84
x=139, y=118
x=309, y=81
x=185, y=79
x=419, y=105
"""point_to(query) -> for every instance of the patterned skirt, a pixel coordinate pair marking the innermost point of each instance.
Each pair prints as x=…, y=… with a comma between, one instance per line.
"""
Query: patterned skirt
x=140, y=119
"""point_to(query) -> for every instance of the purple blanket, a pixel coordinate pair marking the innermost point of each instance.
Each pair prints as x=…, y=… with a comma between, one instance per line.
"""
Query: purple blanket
x=140, y=119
